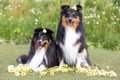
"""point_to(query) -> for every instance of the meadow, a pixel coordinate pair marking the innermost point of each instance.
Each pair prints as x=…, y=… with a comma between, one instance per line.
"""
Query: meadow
x=101, y=19
x=99, y=57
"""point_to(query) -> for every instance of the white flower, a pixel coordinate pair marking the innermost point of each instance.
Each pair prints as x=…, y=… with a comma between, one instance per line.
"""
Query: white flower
x=36, y=20
x=44, y=30
x=103, y=12
x=98, y=16
x=23, y=73
x=10, y=68
x=97, y=22
x=74, y=7
x=113, y=74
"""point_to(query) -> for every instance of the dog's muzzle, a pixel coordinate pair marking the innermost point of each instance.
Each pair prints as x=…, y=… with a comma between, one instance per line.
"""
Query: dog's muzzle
x=41, y=43
x=70, y=21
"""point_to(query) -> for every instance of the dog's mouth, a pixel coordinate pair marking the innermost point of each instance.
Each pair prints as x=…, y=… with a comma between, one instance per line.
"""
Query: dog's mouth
x=70, y=22
x=41, y=44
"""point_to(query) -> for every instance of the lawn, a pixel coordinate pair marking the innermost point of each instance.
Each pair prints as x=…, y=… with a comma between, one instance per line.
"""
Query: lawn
x=100, y=57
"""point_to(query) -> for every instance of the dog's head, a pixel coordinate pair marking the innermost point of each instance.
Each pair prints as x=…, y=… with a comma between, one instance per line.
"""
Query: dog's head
x=71, y=16
x=42, y=37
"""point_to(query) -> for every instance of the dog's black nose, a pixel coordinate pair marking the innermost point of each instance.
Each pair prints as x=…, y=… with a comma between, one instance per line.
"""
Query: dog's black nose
x=70, y=20
x=39, y=41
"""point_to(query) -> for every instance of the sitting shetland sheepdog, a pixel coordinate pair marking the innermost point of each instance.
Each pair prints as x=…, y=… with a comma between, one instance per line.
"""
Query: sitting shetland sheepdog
x=71, y=37
x=43, y=52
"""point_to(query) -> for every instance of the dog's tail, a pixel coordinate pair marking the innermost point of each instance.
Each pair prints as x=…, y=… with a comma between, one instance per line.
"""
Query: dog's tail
x=22, y=59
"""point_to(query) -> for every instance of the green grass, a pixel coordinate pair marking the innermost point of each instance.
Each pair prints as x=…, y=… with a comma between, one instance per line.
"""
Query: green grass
x=100, y=57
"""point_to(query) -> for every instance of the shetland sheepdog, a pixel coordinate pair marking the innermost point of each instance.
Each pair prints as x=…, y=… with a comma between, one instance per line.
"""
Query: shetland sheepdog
x=43, y=51
x=71, y=37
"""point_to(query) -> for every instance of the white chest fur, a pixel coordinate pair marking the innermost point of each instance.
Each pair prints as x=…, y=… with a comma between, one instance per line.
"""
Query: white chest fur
x=37, y=58
x=70, y=51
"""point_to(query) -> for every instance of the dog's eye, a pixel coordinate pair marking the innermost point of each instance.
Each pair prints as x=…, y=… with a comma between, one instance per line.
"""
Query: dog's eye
x=74, y=14
x=68, y=13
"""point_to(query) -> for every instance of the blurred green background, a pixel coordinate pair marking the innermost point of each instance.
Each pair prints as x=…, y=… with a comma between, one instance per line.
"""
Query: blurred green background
x=101, y=18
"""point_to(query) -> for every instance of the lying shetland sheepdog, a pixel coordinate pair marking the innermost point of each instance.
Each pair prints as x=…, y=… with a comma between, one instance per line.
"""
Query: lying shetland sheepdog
x=71, y=37
x=43, y=52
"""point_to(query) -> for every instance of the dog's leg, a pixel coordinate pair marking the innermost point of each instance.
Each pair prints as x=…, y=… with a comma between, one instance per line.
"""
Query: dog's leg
x=61, y=63
x=22, y=59
x=40, y=68
x=85, y=56
x=81, y=59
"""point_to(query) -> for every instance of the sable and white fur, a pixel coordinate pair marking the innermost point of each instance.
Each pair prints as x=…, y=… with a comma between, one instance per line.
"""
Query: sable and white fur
x=43, y=51
x=70, y=38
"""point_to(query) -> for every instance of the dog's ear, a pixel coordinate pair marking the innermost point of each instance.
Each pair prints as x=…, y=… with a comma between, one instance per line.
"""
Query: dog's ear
x=79, y=8
x=37, y=30
x=64, y=8
x=51, y=32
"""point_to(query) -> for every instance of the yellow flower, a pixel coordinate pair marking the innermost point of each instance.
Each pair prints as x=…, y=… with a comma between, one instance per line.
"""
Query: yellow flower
x=64, y=70
x=70, y=69
x=21, y=69
x=52, y=73
x=78, y=70
x=65, y=66
x=107, y=73
x=10, y=68
x=23, y=74
x=17, y=73
x=85, y=70
x=28, y=69
x=20, y=65
x=43, y=73
x=91, y=74
x=113, y=74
